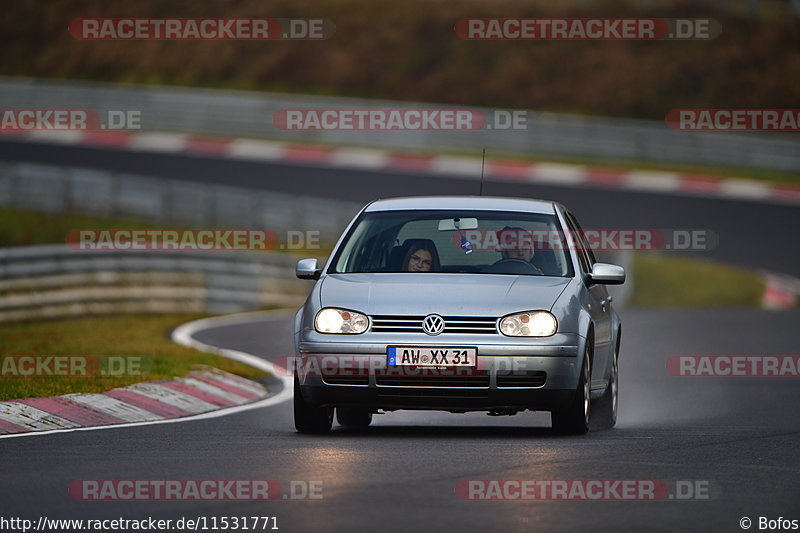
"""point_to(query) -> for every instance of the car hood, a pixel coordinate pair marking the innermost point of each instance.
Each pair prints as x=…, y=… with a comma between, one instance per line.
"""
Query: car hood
x=444, y=294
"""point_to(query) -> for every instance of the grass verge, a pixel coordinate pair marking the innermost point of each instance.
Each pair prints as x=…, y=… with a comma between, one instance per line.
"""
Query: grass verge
x=668, y=281
x=132, y=335
x=24, y=227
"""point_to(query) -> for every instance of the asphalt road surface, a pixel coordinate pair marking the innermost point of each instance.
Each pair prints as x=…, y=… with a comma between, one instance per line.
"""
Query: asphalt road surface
x=736, y=436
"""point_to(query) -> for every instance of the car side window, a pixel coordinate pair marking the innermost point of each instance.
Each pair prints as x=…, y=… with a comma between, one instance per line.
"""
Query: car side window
x=576, y=237
x=587, y=249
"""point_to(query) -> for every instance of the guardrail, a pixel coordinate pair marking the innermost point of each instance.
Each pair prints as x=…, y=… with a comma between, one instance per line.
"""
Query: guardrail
x=54, y=281
x=249, y=114
x=166, y=201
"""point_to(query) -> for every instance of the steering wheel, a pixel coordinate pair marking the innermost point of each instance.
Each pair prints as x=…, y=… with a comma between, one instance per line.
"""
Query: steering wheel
x=512, y=266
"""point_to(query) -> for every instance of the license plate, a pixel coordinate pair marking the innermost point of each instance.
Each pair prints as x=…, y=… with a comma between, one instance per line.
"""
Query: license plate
x=428, y=356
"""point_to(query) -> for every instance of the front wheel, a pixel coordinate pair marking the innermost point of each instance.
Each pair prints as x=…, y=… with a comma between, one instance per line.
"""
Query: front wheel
x=606, y=412
x=574, y=419
x=309, y=418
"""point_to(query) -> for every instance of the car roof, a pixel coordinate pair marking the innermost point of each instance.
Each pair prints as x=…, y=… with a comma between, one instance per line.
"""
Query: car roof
x=478, y=203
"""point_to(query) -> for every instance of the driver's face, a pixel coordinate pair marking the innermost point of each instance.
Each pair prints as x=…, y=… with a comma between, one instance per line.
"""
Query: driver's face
x=515, y=243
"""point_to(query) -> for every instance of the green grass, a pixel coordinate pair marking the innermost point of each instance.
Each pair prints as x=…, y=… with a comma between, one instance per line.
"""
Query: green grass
x=670, y=281
x=21, y=227
x=132, y=335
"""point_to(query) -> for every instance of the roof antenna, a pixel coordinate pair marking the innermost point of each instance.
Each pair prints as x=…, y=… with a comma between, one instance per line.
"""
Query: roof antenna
x=483, y=165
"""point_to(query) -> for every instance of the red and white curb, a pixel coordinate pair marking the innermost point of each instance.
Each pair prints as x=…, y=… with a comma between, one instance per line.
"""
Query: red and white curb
x=202, y=394
x=455, y=166
x=195, y=393
x=780, y=292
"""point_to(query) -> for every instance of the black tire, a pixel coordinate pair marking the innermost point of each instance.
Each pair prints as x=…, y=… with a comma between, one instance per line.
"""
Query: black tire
x=574, y=420
x=309, y=418
x=605, y=413
x=352, y=417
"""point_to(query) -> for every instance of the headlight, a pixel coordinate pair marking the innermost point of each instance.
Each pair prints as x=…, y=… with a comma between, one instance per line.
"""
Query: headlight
x=529, y=324
x=340, y=321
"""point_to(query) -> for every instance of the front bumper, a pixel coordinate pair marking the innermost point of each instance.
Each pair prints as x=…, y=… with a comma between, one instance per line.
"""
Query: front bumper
x=541, y=374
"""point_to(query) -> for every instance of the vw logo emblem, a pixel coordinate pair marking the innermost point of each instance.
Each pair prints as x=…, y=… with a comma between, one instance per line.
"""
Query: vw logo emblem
x=433, y=324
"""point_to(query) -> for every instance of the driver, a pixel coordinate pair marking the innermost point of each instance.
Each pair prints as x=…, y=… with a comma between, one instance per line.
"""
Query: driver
x=514, y=245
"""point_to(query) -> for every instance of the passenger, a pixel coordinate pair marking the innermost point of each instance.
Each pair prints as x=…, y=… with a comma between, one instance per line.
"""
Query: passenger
x=421, y=257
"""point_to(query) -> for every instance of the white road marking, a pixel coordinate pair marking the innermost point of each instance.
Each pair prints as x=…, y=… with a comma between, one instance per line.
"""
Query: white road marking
x=359, y=158
x=749, y=189
x=652, y=181
x=172, y=397
x=457, y=166
x=113, y=407
x=56, y=137
x=158, y=142
x=211, y=389
x=559, y=173
x=244, y=385
x=31, y=417
x=258, y=150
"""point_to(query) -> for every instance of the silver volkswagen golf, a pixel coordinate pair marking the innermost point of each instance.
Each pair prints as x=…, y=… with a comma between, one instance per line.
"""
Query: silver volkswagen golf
x=458, y=304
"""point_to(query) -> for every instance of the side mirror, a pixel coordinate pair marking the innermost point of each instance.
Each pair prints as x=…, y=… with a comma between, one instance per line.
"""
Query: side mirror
x=607, y=274
x=307, y=269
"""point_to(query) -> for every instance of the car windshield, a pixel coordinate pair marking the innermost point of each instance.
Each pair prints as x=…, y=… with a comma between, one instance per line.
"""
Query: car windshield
x=448, y=241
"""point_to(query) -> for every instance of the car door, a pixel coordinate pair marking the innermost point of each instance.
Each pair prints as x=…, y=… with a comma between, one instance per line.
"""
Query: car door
x=595, y=301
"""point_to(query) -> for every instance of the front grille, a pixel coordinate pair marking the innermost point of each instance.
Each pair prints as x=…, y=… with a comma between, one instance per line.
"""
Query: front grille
x=528, y=378
x=452, y=324
x=478, y=380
